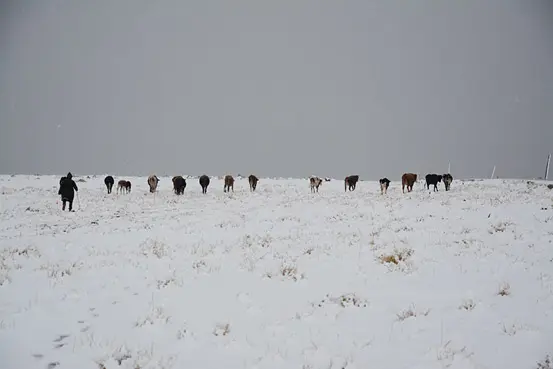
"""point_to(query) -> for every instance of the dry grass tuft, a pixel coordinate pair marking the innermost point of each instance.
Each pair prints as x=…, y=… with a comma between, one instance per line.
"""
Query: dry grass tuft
x=545, y=364
x=504, y=289
x=411, y=312
x=154, y=247
x=157, y=314
x=397, y=256
x=499, y=227
x=289, y=270
x=345, y=300
x=467, y=305
x=221, y=330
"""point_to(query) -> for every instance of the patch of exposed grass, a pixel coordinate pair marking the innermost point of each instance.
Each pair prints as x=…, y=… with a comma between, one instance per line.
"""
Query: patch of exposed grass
x=411, y=312
x=397, y=256
x=467, y=305
x=545, y=363
x=504, y=289
x=221, y=329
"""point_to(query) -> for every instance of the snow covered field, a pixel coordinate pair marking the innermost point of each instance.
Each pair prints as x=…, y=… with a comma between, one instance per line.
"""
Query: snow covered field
x=279, y=278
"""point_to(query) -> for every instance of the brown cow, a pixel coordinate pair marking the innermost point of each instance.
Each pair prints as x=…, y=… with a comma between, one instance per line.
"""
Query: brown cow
x=351, y=182
x=408, y=179
x=253, y=182
x=152, y=182
x=229, y=183
x=314, y=183
x=123, y=186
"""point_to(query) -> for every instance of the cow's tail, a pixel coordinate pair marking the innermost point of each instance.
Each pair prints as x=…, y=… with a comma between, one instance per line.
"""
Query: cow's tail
x=345, y=185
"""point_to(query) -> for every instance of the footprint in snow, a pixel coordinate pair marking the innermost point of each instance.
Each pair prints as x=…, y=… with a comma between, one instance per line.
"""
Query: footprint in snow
x=244, y=298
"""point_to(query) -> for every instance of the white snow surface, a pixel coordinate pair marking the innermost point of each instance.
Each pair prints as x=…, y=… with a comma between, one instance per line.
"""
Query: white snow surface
x=277, y=278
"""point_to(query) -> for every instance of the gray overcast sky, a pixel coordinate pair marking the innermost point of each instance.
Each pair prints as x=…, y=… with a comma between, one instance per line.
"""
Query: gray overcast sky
x=276, y=88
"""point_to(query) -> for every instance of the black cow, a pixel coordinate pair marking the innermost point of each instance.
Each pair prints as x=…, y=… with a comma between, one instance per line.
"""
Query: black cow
x=433, y=179
x=253, y=182
x=204, y=182
x=384, y=184
x=448, y=178
x=109, y=181
x=179, y=184
x=350, y=182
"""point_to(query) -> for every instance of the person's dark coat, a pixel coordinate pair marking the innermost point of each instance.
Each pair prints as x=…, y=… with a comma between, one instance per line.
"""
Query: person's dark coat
x=67, y=188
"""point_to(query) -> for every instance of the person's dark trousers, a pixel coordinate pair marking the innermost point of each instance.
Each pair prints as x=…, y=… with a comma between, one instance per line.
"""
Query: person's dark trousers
x=70, y=204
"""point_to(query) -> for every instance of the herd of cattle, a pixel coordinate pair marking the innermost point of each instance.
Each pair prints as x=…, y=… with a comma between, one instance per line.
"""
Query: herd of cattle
x=350, y=182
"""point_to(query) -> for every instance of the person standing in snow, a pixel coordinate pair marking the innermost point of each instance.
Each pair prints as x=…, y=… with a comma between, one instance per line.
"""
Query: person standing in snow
x=67, y=190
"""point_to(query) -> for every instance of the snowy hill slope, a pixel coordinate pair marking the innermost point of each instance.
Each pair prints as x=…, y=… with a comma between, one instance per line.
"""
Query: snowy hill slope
x=279, y=278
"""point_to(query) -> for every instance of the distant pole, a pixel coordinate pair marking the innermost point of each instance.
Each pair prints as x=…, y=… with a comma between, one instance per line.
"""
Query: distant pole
x=493, y=172
x=449, y=168
x=547, y=167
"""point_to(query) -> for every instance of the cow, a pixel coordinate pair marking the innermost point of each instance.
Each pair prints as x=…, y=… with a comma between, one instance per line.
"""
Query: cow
x=447, y=178
x=433, y=179
x=109, y=181
x=204, y=182
x=123, y=186
x=179, y=184
x=229, y=183
x=152, y=182
x=408, y=179
x=314, y=183
x=253, y=182
x=350, y=182
x=384, y=184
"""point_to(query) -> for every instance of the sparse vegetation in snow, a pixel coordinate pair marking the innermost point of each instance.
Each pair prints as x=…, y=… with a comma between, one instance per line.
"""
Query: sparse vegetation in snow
x=276, y=278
